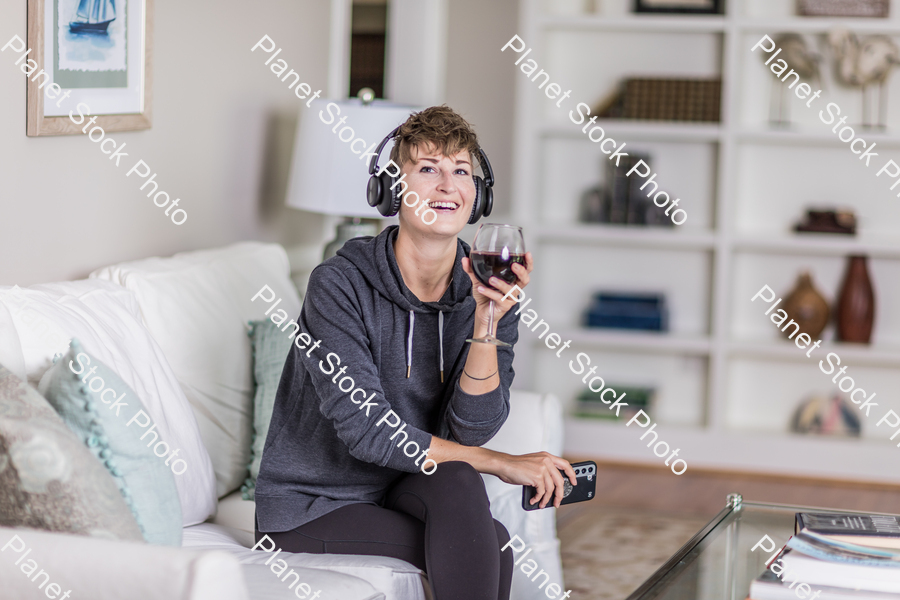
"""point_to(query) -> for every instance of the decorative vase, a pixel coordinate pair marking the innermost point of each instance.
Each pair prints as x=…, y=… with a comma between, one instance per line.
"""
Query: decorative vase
x=856, y=304
x=806, y=306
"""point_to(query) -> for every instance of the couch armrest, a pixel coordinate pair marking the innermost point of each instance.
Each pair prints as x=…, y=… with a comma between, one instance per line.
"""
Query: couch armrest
x=99, y=569
x=535, y=423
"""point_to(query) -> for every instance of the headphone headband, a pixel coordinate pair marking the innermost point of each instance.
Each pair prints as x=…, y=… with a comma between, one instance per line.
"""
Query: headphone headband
x=373, y=167
x=486, y=167
x=482, y=159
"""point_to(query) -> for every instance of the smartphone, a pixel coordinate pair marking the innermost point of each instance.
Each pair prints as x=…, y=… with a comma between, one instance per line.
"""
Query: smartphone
x=585, y=475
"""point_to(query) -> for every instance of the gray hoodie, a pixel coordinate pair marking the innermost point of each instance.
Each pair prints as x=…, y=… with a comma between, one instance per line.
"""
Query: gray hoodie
x=325, y=447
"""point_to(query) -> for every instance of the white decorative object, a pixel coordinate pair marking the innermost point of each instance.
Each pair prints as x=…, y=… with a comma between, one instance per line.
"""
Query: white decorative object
x=861, y=63
x=803, y=61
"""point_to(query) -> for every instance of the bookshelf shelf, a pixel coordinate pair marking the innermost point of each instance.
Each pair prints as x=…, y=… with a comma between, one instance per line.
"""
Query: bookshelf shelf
x=623, y=235
x=848, y=459
x=824, y=137
x=661, y=343
x=639, y=130
x=744, y=185
x=855, y=354
x=820, y=24
x=817, y=244
x=637, y=23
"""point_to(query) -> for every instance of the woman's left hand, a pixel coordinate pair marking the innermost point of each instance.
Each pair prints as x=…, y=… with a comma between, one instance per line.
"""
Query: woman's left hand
x=484, y=294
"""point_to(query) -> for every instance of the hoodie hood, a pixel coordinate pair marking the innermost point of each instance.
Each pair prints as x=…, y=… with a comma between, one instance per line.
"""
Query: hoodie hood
x=374, y=258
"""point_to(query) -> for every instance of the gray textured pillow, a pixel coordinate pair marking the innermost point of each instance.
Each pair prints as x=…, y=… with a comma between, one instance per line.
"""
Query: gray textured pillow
x=48, y=479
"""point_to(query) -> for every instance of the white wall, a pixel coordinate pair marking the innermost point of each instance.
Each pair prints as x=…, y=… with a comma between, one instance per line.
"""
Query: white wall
x=222, y=131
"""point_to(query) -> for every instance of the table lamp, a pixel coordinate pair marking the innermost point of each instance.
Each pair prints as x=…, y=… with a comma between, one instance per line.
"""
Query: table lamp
x=327, y=177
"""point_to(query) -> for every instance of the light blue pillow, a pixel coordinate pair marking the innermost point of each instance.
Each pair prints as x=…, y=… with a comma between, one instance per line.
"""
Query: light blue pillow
x=144, y=480
x=270, y=350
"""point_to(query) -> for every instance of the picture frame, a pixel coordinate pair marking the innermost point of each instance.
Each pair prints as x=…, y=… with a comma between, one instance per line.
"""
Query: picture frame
x=702, y=7
x=99, y=54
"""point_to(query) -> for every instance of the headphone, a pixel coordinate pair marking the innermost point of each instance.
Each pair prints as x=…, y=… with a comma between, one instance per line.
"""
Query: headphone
x=387, y=200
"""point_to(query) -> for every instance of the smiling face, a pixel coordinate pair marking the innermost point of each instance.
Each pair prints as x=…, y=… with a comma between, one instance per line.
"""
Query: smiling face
x=445, y=184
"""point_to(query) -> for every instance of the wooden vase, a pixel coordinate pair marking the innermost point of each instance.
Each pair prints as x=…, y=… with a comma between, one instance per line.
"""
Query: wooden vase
x=806, y=306
x=856, y=304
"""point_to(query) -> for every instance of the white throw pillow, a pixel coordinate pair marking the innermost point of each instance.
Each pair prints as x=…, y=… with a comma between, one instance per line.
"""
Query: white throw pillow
x=106, y=320
x=10, y=346
x=197, y=305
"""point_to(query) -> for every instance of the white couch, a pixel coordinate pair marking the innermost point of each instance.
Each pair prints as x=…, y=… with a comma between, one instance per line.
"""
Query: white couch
x=173, y=328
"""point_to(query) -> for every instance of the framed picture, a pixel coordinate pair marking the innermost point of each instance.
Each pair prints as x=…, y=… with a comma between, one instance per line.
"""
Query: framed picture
x=708, y=7
x=88, y=57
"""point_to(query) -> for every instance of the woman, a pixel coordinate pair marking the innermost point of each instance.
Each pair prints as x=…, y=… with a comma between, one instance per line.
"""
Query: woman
x=336, y=473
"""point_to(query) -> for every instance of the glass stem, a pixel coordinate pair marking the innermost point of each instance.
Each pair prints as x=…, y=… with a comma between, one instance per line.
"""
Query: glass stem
x=491, y=319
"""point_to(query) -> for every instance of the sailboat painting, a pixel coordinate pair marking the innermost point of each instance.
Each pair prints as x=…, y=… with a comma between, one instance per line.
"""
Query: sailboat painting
x=94, y=16
x=92, y=35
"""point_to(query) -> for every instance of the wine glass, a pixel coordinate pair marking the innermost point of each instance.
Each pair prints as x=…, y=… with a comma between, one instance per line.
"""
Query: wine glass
x=494, y=251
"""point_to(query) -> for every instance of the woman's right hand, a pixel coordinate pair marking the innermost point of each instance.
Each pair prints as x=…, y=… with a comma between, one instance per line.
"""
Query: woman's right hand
x=539, y=469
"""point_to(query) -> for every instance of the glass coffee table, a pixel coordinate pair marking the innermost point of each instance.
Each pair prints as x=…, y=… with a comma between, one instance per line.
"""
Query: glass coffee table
x=717, y=564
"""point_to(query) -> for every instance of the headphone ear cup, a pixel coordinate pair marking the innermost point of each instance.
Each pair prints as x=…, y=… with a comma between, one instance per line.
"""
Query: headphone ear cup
x=488, y=202
x=393, y=193
x=384, y=200
x=478, y=204
x=373, y=190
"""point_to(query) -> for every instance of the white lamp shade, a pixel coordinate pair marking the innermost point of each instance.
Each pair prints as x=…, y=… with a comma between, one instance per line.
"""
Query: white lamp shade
x=329, y=172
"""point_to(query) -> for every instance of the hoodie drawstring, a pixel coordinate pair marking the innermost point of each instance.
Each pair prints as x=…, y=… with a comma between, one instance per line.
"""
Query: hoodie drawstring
x=409, y=342
x=441, y=341
x=412, y=321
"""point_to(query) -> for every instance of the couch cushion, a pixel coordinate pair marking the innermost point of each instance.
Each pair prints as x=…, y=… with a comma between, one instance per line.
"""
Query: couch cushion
x=48, y=479
x=86, y=406
x=197, y=305
x=270, y=349
x=265, y=584
x=395, y=579
x=106, y=318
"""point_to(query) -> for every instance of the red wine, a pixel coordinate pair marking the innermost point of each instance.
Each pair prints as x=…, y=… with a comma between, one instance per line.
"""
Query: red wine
x=492, y=264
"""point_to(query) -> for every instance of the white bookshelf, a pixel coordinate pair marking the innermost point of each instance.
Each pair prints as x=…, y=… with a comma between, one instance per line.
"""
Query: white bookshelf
x=726, y=383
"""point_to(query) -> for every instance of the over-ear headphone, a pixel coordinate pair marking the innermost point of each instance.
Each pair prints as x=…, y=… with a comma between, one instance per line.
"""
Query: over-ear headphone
x=387, y=201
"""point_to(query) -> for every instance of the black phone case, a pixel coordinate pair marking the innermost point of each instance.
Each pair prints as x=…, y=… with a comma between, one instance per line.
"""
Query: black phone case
x=585, y=474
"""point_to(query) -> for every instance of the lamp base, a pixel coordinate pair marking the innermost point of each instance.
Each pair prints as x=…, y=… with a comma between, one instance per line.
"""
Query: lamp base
x=349, y=229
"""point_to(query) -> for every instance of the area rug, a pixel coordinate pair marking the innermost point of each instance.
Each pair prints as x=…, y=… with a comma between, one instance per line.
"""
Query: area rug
x=607, y=553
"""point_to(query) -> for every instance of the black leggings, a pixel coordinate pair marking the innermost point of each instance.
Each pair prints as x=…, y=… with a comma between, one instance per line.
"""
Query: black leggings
x=441, y=523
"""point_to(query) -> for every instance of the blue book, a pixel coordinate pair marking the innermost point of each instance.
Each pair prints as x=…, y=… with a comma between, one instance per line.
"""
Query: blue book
x=628, y=311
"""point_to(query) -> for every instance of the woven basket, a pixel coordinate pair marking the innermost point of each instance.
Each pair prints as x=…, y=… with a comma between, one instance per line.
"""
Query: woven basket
x=843, y=8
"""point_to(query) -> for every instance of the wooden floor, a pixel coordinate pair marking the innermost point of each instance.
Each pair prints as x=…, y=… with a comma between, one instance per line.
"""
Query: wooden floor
x=700, y=492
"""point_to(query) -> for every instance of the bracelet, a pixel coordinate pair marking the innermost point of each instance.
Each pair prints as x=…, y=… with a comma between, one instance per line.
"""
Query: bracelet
x=480, y=378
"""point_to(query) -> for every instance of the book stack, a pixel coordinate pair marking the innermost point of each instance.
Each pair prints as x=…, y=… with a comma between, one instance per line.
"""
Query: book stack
x=836, y=557
x=622, y=201
x=628, y=311
x=589, y=405
x=665, y=100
